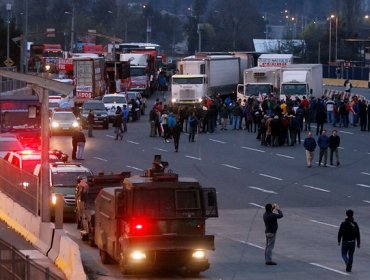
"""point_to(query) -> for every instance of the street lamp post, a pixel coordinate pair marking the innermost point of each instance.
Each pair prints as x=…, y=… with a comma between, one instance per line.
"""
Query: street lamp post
x=72, y=27
x=336, y=38
x=8, y=9
x=329, y=60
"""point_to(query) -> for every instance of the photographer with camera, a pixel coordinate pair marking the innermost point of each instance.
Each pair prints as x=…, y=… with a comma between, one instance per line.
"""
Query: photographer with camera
x=270, y=218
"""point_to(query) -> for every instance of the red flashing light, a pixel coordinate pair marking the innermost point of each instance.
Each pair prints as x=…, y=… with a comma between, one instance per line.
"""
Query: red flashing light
x=139, y=226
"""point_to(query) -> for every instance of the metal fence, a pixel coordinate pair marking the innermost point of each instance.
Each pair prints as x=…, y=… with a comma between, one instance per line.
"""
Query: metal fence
x=14, y=265
x=9, y=85
x=19, y=185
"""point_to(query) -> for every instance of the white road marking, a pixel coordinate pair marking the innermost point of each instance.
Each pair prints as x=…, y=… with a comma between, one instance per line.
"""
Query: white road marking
x=280, y=155
x=365, y=173
x=366, y=201
x=159, y=149
x=363, y=185
x=257, y=205
x=132, y=142
x=193, y=157
x=230, y=166
x=346, y=132
x=135, y=168
x=340, y=148
x=314, y=188
x=253, y=245
x=102, y=159
x=110, y=136
x=271, y=177
x=252, y=149
x=328, y=268
x=262, y=190
x=217, y=141
x=325, y=224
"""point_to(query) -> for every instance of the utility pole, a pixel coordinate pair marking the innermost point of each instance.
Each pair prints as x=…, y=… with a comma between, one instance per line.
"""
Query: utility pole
x=73, y=28
x=8, y=9
x=24, y=49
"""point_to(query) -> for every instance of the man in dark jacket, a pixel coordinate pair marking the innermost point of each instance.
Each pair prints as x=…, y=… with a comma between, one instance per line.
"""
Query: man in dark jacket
x=334, y=142
x=349, y=233
x=271, y=225
x=310, y=146
x=78, y=141
x=323, y=143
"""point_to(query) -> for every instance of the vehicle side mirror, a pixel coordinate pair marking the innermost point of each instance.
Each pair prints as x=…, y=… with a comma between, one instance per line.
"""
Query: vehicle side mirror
x=210, y=202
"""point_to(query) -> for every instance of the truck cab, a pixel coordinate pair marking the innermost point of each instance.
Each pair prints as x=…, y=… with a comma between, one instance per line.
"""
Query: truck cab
x=188, y=89
x=155, y=221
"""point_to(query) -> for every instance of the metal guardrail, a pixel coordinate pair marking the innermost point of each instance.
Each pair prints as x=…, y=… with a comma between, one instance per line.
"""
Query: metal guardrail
x=20, y=186
x=16, y=266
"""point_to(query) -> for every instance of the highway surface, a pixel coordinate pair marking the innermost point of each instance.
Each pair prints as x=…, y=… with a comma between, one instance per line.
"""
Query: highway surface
x=247, y=176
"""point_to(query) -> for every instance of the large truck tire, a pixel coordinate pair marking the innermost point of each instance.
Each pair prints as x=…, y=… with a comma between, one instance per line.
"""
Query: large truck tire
x=104, y=257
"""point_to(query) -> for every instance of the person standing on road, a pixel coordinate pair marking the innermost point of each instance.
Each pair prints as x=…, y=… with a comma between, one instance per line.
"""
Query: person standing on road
x=334, y=142
x=193, y=126
x=310, y=145
x=323, y=143
x=117, y=124
x=347, y=86
x=349, y=234
x=125, y=115
x=78, y=144
x=90, y=123
x=176, y=134
x=271, y=225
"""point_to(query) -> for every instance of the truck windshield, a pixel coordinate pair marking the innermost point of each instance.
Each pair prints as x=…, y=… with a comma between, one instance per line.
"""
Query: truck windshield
x=293, y=89
x=135, y=72
x=67, y=179
x=161, y=203
x=188, y=81
x=256, y=89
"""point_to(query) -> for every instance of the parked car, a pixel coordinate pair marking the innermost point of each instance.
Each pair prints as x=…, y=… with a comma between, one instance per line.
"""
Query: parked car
x=100, y=113
x=28, y=159
x=112, y=101
x=63, y=178
x=135, y=96
x=63, y=122
x=9, y=143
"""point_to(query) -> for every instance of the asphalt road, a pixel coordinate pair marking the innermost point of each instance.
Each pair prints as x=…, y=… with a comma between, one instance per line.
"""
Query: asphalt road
x=247, y=176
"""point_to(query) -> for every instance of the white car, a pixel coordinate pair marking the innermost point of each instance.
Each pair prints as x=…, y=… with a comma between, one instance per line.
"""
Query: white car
x=9, y=143
x=112, y=101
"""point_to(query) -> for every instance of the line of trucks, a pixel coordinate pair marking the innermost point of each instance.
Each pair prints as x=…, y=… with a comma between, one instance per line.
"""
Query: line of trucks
x=154, y=221
x=203, y=76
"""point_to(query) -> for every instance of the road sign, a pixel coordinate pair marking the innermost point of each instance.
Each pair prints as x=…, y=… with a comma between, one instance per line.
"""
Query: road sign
x=8, y=62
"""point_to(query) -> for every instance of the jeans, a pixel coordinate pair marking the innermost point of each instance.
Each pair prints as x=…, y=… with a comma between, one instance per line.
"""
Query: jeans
x=270, y=243
x=336, y=153
x=236, y=122
x=323, y=153
x=348, y=249
x=80, y=150
x=330, y=117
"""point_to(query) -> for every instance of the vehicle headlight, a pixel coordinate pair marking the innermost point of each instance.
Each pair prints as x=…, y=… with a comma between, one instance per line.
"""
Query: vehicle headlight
x=75, y=124
x=104, y=115
x=199, y=254
x=173, y=100
x=200, y=99
x=53, y=199
x=137, y=255
x=55, y=124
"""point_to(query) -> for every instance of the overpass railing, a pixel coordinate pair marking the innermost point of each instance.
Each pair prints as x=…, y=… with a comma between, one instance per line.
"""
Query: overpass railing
x=16, y=266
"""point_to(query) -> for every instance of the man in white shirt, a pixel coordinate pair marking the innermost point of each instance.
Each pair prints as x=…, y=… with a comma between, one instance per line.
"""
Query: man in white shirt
x=330, y=111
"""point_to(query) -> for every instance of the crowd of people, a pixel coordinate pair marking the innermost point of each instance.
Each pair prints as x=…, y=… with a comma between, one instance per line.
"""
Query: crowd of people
x=276, y=122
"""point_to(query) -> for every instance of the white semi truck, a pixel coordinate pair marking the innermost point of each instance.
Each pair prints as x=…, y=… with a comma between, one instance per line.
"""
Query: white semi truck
x=300, y=80
x=201, y=77
x=259, y=80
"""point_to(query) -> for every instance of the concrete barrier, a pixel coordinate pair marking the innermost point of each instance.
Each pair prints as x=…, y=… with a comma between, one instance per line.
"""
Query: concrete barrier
x=54, y=251
x=340, y=83
x=45, y=240
x=69, y=259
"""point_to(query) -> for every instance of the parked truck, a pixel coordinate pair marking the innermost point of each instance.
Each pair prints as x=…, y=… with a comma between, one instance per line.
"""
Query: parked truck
x=89, y=80
x=201, y=77
x=274, y=60
x=155, y=221
x=259, y=80
x=300, y=80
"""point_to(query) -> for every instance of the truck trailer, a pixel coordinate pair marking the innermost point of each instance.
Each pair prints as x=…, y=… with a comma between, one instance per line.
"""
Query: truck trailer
x=201, y=77
x=300, y=80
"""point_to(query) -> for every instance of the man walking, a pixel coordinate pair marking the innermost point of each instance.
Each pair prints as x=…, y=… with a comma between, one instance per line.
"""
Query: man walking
x=323, y=143
x=90, y=123
x=334, y=142
x=271, y=225
x=310, y=146
x=348, y=234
